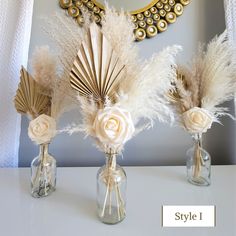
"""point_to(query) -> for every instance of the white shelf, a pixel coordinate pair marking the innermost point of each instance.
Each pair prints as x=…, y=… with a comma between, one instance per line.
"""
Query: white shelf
x=71, y=210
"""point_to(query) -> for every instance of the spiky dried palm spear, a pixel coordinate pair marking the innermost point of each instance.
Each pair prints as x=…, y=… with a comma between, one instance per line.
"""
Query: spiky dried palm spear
x=206, y=84
x=29, y=99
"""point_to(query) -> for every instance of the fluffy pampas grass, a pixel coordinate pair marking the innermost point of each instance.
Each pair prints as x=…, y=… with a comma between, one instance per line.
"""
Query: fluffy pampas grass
x=67, y=36
x=146, y=96
x=143, y=90
x=200, y=90
x=218, y=76
x=54, y=84
x=118, y=29
x=62, y=98
x=44, y=67
x=209, y=81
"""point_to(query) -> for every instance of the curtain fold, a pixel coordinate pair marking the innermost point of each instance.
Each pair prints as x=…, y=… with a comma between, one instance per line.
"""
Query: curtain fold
x=230, y=19
x=15, y=30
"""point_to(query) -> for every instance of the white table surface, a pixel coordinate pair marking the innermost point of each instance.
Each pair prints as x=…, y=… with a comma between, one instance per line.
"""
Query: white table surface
x=71, y=210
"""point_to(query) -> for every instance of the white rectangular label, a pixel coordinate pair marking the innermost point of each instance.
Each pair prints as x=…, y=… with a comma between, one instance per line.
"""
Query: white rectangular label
x=188, y=216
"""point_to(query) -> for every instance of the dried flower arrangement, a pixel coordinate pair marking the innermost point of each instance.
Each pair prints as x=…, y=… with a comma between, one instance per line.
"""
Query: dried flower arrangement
x=201, y=88
x=44, y=94
x=43, y=97
x=119, y=95
x=138, y=87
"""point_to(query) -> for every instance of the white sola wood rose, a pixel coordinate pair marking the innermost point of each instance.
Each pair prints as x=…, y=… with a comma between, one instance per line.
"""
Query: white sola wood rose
x=113, y=126
x=42, y=129
x=197, y=120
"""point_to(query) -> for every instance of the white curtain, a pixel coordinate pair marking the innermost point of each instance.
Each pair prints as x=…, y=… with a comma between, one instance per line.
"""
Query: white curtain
x=15, y=29
x=230, y=18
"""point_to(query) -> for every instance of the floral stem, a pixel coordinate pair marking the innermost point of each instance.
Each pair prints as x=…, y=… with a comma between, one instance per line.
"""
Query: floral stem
x=106, y=195
x=110, y=202
x=112, y=185
x=121, y=201
x=41, y=174
x=117, y=202
x=198, y=157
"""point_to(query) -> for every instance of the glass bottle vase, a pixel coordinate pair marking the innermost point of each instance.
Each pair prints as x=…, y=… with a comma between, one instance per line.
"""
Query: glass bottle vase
x=43, y=173
x=198, y=164
x=111, y=191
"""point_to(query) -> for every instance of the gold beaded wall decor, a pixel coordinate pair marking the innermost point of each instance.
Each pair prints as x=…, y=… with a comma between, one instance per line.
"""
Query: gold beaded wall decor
x=148, y=21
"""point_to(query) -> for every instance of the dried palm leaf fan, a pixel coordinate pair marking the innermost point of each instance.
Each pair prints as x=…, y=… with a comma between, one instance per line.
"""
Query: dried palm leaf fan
x=97, y=70
x=29, y=99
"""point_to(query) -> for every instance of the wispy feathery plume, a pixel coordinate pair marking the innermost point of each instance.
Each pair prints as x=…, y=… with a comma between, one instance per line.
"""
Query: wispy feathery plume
x=199, y=90
x=67, y=36
x=106, y=72
x=209, y=81
x=146, y=96
x=44, y=67
x=118, y=29
x=53, y=83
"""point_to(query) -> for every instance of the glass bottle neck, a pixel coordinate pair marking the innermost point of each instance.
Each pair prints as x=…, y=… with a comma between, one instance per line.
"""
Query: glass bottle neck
x=43, y=149
x=197, y=138
x=111, y=160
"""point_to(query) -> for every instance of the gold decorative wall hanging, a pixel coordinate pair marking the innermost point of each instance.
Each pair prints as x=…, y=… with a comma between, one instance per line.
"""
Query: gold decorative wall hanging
x=149, y=20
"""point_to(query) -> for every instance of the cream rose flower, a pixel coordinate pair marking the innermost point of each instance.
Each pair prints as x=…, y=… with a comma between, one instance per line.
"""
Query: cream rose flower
x=197, y=120
x=42, y=129
x=113, y=126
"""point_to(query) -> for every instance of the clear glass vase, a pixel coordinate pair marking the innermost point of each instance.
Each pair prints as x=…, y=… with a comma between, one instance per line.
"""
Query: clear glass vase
x=198, y=164
x=111, y=191
x=43, y=173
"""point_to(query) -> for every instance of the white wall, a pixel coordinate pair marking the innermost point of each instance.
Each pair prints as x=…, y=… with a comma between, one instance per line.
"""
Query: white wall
x=162, y=145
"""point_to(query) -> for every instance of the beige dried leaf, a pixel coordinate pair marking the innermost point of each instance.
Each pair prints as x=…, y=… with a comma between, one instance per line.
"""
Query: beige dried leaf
x=97, y=70
x=29, y=99
x=174, y=94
